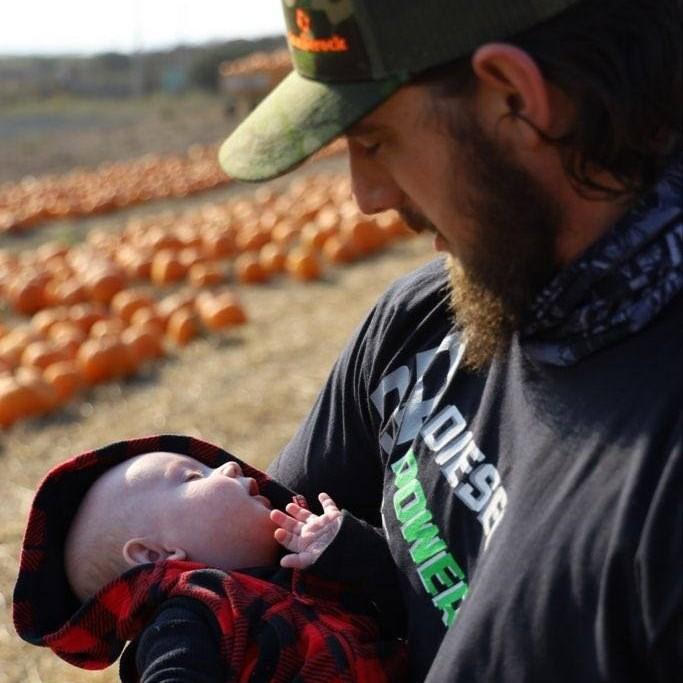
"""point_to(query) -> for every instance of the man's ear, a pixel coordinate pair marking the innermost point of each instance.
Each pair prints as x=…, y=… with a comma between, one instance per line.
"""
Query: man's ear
x=516, y=86
x=143, y=550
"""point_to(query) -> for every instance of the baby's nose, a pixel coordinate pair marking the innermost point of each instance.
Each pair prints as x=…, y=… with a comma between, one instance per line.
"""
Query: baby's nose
x=231, y=469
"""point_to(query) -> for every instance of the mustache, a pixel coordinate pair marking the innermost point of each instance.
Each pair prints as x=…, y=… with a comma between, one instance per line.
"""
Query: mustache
x=416, y=221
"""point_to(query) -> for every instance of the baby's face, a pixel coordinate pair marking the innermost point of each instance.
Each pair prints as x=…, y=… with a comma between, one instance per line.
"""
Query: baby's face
x=215, y=516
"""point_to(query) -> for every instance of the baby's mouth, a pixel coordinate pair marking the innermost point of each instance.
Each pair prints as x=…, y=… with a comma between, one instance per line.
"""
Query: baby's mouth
x=254, y=493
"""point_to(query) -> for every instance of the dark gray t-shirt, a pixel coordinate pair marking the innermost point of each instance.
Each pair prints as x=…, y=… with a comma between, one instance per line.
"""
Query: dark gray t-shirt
x=534, y=512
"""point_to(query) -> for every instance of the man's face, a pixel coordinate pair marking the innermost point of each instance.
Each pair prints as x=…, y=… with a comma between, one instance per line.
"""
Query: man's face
x=431, y=160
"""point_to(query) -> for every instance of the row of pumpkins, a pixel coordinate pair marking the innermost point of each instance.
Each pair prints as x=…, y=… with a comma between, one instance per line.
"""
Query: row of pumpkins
x=63, y=350
x=98, y=310
x=113, y=186
x=248, y=240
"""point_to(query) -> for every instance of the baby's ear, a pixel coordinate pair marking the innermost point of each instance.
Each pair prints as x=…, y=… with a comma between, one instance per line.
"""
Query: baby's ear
x=144, y=550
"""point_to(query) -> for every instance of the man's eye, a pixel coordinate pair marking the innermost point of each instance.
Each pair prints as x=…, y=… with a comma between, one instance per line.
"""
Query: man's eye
x=371, y=149
x=191, y=476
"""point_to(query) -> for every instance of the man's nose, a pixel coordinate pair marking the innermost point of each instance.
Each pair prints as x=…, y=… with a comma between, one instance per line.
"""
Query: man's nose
x=373, y=186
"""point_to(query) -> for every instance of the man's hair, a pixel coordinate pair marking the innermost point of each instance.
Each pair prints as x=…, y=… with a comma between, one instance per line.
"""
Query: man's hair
x=620, y=62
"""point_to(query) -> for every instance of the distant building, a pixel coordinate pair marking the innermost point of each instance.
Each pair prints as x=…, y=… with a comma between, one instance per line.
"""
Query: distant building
x=246, y=81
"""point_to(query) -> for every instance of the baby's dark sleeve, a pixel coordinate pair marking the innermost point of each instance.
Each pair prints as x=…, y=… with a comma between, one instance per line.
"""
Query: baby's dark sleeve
x=359, y=555
x=181, y=645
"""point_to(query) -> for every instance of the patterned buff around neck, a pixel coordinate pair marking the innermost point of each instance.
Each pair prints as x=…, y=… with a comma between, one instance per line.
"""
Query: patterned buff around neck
x=619, y=285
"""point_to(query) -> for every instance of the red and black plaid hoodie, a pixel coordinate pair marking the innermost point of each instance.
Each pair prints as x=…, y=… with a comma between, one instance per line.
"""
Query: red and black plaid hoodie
x=307, y=628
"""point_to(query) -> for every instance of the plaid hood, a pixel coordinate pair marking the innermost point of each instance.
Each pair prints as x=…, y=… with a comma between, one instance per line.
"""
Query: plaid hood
x=46, y=612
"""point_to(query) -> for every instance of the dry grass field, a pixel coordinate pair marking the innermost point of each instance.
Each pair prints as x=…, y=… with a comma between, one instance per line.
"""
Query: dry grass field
x=246, y=390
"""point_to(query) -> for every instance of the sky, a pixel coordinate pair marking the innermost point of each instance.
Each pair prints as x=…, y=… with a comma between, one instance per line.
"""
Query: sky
x=49, y=27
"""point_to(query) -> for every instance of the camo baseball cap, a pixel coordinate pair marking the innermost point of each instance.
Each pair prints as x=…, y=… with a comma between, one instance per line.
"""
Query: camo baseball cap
x=351, y=55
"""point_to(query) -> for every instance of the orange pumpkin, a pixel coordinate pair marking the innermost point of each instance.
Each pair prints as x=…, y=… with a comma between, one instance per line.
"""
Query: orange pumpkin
x=172, y=303
x=41, y=397
x=15, y=401
x=149, y=319
x=12, y=345
x=303, y=265
x=252, y=238
x=221, y=311
x=27, y=296
x=103, y=285
x=338, y=249
x=285, y=232
x=126, y=302
x=65, y=378
x=273, y=257
x=103, y=359
x=205, y=275
x=44, y=320
x=249, y=270
x=218, y=245
x=40, y=354
x=182, y=327
x=143, y=344
x=167, y=268
x=66, y=292
x=364, y=235
x=107, y=327
x=85, y=315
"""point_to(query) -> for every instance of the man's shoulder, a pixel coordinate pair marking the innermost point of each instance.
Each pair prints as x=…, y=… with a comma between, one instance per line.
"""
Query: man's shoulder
x=424, y=288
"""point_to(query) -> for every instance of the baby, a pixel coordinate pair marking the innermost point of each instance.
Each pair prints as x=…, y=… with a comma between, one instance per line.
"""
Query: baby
x=174, y=545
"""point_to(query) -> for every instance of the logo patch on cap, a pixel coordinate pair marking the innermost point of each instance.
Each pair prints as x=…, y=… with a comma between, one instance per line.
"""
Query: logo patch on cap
x=307, y=42
x=325, y=40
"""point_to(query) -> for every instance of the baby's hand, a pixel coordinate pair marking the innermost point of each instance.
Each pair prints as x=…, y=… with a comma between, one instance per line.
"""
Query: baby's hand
x=305, y=534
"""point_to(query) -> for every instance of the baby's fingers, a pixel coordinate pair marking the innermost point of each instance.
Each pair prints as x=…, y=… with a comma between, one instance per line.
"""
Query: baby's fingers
x=296, y=511
x=298, y=560
x=286, y=522
x=287, y=540
x=328, y=504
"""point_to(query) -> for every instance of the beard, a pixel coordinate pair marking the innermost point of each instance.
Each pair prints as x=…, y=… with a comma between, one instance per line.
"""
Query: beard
x=511, y=254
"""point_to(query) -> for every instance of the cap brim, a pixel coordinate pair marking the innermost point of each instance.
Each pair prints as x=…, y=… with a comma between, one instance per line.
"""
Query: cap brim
x=295, y=120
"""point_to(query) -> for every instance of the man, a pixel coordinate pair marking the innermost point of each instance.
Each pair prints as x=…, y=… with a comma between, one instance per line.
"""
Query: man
x=508, y=419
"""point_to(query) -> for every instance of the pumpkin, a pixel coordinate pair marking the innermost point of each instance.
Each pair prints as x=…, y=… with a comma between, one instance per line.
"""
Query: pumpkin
x=363, y=234
x=249, y=270
x=16, y=401
x=221, y=311
x=218, y=245
x=104, y=358
x=40, y=354
x=107, y=327
x=126, y=302
x=166, y=268
x=147, y=318
x=182, y=327
x=41, y=397
x=27, y=295
x=85, y=315
x=104, y=284
x=338, y=249
x=65, y=378
x=303, y=265
x=143, y=344
x=43, y=321
x=172, y=303
x=273, y=257
x=205, y=275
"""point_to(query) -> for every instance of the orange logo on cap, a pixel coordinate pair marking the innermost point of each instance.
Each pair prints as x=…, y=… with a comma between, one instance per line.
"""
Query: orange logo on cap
x=303, y=20
x=307, y=43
